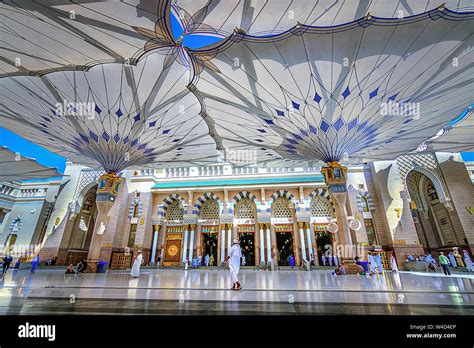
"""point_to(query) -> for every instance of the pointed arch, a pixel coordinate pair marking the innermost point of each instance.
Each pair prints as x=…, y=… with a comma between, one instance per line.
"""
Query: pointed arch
x=244, y=194
x=203, y=198
x=282, y=193
x=324, y=193
x=364, y=200
x=443, y=196
x=131, y=208
x=167, y=201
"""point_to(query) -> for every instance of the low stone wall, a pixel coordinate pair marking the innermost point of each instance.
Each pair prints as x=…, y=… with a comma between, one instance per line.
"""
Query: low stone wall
x=415, y=265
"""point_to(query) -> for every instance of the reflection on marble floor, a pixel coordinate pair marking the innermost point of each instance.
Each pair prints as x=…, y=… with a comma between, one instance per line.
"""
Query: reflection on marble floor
x=283, y=292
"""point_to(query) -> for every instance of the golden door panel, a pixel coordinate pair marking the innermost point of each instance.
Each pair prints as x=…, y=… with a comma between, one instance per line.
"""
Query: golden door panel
x=172, y=252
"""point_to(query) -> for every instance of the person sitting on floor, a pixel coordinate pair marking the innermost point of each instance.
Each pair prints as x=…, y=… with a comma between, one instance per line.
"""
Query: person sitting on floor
x=340, y=270
x=70, y=269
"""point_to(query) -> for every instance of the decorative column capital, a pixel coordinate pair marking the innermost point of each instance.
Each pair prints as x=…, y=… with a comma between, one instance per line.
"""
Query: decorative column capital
x=339, y=198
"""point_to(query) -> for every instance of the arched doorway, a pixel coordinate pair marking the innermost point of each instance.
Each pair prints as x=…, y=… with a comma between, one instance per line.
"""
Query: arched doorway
x=322, y=213
x=246, y=212
x=174, y=232
x=80, y=238
x=282, y=221
x=209, y=218
x=433, y=221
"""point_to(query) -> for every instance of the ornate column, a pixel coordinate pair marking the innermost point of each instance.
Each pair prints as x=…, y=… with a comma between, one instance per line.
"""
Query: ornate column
x=310, y=244
x=336, y=178
x=262, y=247
x=313, y=244
x=156, y=228
x=303, y=246
x=269, y=247
x=185, y=246
x=339, y=200
x=222, y=245
x=107, y=192
x=191, y=242
x=229, y=237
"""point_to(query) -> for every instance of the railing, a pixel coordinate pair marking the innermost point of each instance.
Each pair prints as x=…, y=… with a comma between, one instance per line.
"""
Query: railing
x=177, y=172
x=7, y=190
x=226, y=169
x=32, y=192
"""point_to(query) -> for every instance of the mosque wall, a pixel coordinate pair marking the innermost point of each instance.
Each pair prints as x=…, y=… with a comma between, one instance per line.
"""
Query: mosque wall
x=27, y=208
x=59, y=223
x=379, y=218
x=116, y=233
x=391, y=212
x=461, y=191
x=29, y=212
x=395, y=206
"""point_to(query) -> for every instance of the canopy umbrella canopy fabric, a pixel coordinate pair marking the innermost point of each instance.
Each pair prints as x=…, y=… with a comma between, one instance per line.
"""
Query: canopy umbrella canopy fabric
x=458, y=134
x=15, y=167
x=372, y=89
x=39, y=37
x=301, y=91
x=113, y=115
x=262, y=17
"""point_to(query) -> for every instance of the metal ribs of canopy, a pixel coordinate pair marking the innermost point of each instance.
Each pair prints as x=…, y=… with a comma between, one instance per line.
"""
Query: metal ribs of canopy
x=311, y=91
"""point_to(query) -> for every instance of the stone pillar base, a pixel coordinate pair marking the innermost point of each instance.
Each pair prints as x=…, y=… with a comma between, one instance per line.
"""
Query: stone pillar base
x=91, y=266
x=403, y=250
x=262, y=265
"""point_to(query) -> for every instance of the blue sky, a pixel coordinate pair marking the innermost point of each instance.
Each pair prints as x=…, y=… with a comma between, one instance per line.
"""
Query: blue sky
x=26, y=148
x=49, y=159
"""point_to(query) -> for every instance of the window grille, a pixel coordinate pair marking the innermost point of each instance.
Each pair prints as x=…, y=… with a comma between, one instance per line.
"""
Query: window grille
x=320, y=207
x=281, y=208
x=209, y=210
x=245, y=209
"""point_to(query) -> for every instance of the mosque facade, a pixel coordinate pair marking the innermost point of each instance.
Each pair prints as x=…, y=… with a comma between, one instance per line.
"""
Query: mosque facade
x=421, y=202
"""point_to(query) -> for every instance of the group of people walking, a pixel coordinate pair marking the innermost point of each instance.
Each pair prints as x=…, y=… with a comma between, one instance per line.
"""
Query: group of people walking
x=209, y=260
x=455, y=260
x=233, y=259
x=332, y=260
x=8, y=259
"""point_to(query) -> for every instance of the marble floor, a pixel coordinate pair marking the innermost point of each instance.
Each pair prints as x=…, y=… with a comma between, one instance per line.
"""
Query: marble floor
x=207, y=292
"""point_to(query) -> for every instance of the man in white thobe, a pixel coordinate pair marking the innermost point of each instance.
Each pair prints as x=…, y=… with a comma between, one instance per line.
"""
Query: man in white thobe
x=393, y=263
x=206, y=260
x=336, y=260
x=136, y=265
x=323, y=258
x=372, y=264
x=233, y=258
x=378, y=260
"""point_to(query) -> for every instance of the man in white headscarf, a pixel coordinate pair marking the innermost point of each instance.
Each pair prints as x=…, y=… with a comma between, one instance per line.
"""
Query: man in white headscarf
x=233, y=259
x=136, y=265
